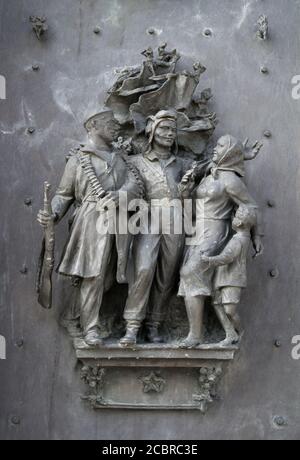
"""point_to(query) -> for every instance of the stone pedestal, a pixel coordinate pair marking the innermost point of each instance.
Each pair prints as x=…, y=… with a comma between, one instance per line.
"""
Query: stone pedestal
x=152, y=376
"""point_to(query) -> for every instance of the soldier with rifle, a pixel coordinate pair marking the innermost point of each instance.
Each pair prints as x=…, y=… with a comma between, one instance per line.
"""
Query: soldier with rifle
x=94, y=175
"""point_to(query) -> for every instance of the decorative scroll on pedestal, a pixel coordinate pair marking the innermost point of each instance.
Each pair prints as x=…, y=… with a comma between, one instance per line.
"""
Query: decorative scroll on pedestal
x=208, y=380
x=94, y=377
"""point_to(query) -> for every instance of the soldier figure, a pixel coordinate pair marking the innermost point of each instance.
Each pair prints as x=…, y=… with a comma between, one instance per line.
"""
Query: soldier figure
x=93, y=176
x=156, y=257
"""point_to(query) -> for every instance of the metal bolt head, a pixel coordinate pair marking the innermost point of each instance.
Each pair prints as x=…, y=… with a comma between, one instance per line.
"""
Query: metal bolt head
x=271, y=204
x=274, y=273
x=20, y=343
x=35, y=67
x=207, y=32
x=31, y=130
x=28, y=201
x=264, y=70
x=97, y=30
x=268, y=134
x=151, y=31
x=15, y=420
x=278, y=343
x=24, y=270
x=279, y=421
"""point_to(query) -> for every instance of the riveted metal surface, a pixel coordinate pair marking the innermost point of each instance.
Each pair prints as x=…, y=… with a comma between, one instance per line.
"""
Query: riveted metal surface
x=39, y=381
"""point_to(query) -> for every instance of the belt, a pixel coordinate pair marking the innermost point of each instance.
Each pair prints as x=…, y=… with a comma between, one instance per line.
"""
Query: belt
x=166, y=203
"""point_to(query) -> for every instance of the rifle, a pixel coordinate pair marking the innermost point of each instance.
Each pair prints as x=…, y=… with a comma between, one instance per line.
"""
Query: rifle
x=46, y=260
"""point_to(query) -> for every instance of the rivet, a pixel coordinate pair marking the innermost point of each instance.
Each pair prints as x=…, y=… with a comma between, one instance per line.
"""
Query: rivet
x=31, y=130
x=280, y=421
x=35, y=67
x=15, y=420
x=274, y=273
x=271, y=203
x=268, y=134
x=207, y=32
x=278, y=343
x=264, y=70
x=24, y=270
x=28, y=201
x=97, y=30
x=20, y=343
x=151, y=31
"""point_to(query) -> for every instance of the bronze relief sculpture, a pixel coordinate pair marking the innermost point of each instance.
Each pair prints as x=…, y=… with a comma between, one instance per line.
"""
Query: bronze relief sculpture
x=145, y=164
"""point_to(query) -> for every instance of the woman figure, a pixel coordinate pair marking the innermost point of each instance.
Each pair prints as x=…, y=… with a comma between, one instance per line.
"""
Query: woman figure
x=217, y=195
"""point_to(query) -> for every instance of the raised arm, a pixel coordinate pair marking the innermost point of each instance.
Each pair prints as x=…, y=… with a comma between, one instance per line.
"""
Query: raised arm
x=252, y=154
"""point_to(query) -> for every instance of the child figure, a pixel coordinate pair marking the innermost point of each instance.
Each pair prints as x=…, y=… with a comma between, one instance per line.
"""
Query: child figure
x=231, y=274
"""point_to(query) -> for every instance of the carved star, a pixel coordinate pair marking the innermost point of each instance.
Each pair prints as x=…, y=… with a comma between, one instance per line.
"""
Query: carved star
x=153, y=382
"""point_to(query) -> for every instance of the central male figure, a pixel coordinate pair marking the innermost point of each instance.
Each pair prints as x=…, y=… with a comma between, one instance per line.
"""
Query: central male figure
x=156, y=257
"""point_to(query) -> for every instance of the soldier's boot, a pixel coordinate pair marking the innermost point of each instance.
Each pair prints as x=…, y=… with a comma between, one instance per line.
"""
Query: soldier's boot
x=74, y=331
x=73, y=327
x=92, y=338
x=130, y=338
x=153, y=334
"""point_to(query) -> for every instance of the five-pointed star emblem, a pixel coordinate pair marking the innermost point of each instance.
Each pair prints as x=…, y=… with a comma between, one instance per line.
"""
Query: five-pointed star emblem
x=153, y=382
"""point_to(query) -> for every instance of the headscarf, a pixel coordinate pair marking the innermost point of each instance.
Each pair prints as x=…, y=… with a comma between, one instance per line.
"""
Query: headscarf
x=155, y=120
x=233, y=158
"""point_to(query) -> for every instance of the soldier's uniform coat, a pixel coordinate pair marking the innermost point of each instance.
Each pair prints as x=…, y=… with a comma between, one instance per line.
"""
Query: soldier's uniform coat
x=83, y=253
x=89, y=253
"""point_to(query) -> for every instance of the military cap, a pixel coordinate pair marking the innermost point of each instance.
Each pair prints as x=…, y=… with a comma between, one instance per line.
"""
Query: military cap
x=101, y=117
